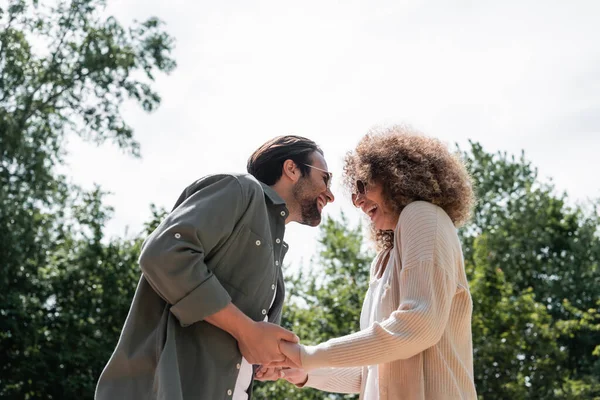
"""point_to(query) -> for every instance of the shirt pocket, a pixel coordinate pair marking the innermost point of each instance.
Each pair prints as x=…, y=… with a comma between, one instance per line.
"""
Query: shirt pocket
x=249, y=260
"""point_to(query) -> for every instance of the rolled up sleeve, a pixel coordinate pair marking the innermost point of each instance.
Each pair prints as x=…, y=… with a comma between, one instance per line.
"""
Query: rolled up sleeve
x=173, y=256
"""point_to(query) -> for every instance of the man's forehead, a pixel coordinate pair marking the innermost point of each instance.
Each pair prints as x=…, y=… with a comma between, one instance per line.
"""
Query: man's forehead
x=318, y=160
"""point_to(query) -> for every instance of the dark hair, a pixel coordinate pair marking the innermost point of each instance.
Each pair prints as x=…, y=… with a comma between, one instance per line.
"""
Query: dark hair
x=266, y=163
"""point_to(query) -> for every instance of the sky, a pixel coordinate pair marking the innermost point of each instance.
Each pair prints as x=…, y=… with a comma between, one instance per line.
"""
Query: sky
x=512, y=75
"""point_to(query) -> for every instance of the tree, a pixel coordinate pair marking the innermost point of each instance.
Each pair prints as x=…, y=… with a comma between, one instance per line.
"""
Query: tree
x=89, y=286
x=516, y=352
x=64, y=291
x=549, y=252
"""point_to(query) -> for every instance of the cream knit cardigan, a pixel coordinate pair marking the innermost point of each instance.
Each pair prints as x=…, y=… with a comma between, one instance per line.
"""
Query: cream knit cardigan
x=424, y=348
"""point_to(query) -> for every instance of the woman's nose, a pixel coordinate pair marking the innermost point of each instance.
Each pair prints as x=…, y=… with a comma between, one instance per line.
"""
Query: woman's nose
x=357, y=199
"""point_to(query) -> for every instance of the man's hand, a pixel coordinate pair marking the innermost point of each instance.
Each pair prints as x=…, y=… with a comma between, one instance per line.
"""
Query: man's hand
x=259, y=344
x=258, y=341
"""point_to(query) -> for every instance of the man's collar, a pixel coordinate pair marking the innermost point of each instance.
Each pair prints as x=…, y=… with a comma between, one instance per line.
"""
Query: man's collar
x=272, y=195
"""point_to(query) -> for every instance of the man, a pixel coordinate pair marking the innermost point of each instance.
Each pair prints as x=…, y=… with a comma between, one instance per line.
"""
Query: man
x=211, y=278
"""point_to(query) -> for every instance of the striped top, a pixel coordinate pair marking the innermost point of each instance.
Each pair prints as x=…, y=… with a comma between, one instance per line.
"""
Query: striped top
x=423, y=349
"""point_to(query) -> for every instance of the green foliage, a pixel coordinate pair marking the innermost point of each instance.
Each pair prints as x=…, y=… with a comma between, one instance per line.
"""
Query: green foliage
x=547, y=252
x=64, y=288
x=515, y=349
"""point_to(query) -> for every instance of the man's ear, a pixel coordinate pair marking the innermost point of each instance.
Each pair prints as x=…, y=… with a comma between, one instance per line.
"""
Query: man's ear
x=291, y=170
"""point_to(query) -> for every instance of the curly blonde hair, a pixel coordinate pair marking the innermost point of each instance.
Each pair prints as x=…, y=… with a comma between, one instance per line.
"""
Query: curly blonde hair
x=410, y=167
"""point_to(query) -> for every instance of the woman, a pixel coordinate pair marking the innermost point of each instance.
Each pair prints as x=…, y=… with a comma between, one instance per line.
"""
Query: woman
x=415, y=338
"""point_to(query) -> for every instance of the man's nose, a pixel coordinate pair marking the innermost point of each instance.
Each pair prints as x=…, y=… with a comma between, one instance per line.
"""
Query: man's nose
x=329, y=195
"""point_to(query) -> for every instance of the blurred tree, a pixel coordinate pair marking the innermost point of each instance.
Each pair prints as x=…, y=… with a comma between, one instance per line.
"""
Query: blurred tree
x=544, y=251
x=515, y=350
x=64, y=292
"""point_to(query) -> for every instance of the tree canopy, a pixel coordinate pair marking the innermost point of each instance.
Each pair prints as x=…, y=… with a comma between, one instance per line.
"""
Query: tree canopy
x=64, y=292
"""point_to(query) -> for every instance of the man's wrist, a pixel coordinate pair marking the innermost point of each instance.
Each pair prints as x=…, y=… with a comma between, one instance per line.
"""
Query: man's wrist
x=233, y=321
x=242, y=328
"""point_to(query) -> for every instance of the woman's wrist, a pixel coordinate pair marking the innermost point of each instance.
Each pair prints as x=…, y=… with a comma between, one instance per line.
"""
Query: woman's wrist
x=301, y=384
x=313, y=357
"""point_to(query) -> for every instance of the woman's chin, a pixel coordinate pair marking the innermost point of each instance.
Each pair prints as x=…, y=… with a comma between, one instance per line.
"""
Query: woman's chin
x=383, y=225
x=380, y=223
x=379, y=226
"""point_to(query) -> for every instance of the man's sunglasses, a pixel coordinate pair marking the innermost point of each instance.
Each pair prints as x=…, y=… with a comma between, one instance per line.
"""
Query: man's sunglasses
x=327, y=179
x=360, y=188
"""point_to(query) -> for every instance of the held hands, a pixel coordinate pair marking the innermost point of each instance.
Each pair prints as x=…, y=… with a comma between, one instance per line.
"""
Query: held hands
x=275, y=349
x=291, y=351
x=290, y=369
x=260, y=344
x=295, y=376
x=258, y=341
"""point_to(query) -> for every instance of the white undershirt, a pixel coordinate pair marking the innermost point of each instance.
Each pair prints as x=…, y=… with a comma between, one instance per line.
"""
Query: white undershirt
x=371, y=312
x=245, y=376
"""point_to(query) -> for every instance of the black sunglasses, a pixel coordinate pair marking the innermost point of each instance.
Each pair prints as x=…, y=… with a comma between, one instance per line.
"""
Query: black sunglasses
x=361, y=188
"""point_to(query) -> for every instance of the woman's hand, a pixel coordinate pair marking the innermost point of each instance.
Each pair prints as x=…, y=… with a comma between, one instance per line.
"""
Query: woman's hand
x=291, y=352
x=268, y=373
x=294, y=376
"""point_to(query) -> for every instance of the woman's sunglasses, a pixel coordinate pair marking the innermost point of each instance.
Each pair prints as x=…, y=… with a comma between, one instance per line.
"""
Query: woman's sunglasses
x=360, y=188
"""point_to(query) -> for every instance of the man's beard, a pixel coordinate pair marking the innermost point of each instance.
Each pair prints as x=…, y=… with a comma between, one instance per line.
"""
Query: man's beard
x=309, y=209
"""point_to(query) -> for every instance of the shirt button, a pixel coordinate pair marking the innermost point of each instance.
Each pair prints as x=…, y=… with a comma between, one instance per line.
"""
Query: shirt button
x=238, y=366
x=229, y=392
x=177, y=235
x=283, y=213
x=276, y=262
x=278, y=240
x=273, y=287
x=264, y=312
x=258, y=242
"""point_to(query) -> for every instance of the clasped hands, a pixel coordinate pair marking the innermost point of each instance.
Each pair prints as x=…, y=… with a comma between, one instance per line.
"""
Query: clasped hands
x=276, y=350
x=290, y=369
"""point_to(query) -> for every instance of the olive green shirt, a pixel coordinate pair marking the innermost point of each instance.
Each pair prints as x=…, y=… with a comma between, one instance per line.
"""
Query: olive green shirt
x=222, y=243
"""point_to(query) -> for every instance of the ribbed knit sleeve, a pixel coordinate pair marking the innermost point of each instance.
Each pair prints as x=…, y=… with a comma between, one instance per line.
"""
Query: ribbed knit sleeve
x=336, y=380
x=424, y=244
